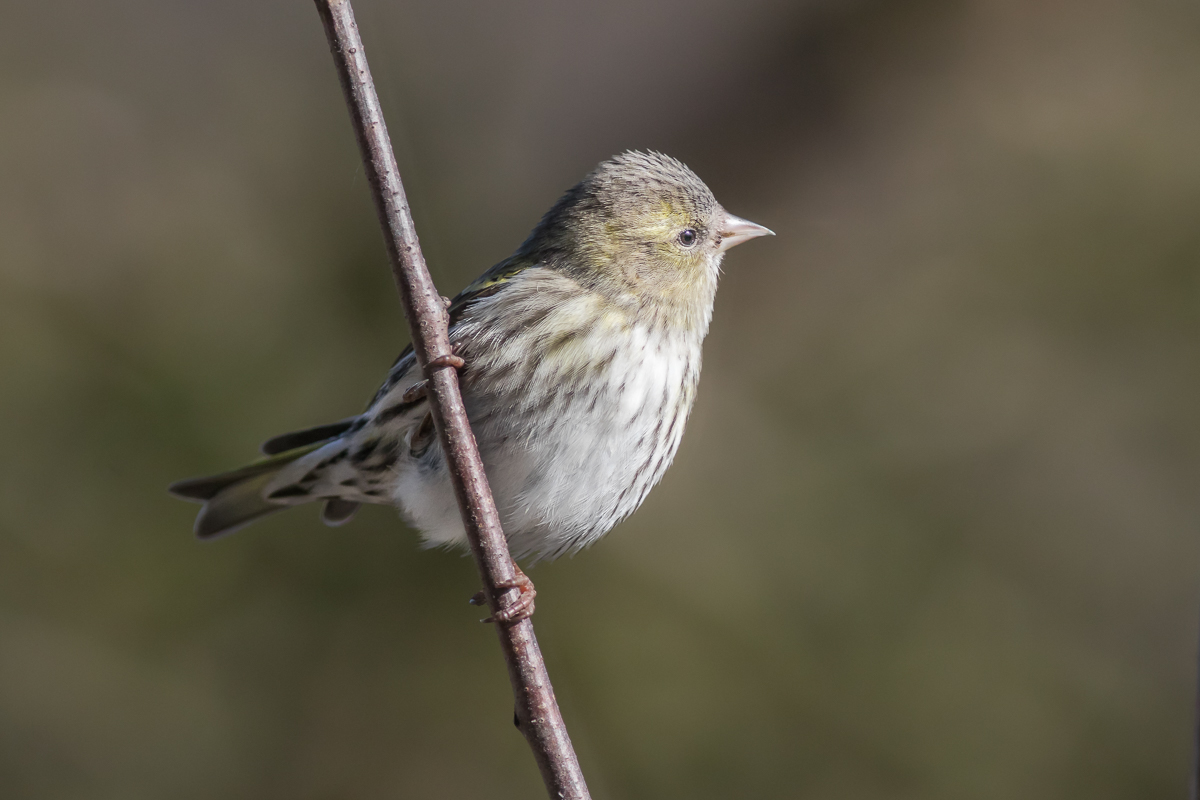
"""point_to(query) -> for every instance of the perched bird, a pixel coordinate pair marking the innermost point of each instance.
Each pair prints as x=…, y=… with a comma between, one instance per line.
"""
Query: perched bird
x=581, y=354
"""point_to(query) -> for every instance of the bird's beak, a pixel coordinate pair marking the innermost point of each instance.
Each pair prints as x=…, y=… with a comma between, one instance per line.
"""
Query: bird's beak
x=735, y=230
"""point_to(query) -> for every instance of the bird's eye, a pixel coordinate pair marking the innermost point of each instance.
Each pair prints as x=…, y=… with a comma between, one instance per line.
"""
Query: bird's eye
x=687, y=238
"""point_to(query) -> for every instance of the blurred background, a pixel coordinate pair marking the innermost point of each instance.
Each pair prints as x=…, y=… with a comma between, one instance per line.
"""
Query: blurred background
x=932, y=533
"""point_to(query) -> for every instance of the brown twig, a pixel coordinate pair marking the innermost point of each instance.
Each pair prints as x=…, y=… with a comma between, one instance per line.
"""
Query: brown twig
x=537, y=710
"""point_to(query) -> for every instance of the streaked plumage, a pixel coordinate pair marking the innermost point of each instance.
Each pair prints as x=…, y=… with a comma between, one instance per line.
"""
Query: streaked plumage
x=582, y=356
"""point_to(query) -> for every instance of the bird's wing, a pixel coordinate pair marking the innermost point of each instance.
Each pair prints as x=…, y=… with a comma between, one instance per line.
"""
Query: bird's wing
x=486, y=285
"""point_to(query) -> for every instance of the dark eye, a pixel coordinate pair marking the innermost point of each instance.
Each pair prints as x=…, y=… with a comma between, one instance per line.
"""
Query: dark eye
x=687, y=238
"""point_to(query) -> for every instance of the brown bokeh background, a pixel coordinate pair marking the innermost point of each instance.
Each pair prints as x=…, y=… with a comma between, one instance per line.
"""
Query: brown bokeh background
x=933, y=532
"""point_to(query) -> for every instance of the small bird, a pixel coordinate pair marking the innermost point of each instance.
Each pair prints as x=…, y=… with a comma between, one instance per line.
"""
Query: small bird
x=580, y=356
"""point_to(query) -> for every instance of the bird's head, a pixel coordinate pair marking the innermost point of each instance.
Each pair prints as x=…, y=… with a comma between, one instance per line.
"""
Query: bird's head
x=641, y=226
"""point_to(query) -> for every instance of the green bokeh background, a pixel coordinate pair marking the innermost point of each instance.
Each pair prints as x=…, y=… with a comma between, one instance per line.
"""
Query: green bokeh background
x=932, y=532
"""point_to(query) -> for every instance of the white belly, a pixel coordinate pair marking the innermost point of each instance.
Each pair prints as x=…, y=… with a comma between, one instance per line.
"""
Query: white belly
x=564, y=470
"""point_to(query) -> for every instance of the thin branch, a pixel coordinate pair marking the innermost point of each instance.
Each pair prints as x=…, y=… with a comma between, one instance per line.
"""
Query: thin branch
x=537, y=710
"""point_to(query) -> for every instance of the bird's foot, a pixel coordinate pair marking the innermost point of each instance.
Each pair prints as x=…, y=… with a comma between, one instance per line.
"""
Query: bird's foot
x=415, y=392
x=445, y=361
x=517, y=609
x=419, y=389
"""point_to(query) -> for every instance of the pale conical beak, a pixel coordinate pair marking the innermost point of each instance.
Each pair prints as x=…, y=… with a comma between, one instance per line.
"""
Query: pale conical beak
x=735, y=230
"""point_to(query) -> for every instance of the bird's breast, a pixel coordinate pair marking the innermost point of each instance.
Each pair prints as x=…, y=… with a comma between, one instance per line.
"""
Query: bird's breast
x=577, y=445
x=578, y=406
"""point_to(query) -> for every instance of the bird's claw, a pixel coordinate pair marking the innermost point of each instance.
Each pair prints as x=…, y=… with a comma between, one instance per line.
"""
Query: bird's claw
x=419, y=389
x=415, y=392
x=445, y=361
x=451, y=359
x=521, y=607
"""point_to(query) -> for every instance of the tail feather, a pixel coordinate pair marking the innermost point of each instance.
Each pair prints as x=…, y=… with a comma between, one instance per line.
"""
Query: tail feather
x=207, y=487
x=233, y=499
x=338, y=511
x=321, y=433
x=234, y=507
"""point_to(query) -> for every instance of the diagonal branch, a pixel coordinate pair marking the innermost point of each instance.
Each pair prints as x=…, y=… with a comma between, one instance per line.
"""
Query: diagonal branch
x=537, y=710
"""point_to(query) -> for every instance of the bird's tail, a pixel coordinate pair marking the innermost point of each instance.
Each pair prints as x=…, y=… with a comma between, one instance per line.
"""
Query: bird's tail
x=233, y=499
x=236, y=498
